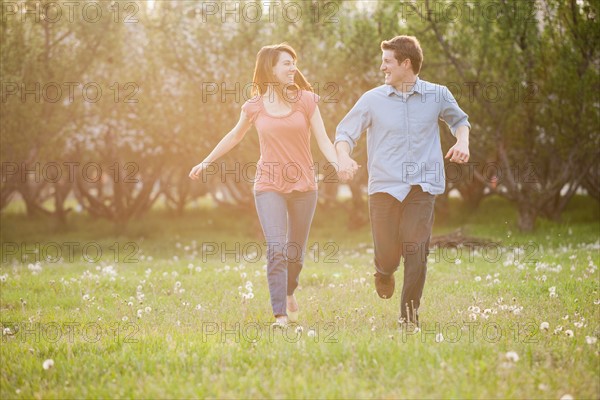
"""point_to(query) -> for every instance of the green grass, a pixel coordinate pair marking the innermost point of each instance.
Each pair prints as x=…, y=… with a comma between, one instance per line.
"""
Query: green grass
x=224, y=348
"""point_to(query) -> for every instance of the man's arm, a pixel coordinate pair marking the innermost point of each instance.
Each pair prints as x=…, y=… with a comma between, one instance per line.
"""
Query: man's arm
x=458, y=121
x=348, y=132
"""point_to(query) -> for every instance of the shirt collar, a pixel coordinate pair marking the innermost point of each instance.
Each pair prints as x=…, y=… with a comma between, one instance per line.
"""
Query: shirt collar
x=416, y=88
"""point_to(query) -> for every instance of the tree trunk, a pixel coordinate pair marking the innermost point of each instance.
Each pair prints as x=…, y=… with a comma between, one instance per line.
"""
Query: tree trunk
x=527, y=217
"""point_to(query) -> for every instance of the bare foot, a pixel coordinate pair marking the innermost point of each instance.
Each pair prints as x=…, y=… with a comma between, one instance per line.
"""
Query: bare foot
x=292, y=308
x=292, y=305
x=280, y=322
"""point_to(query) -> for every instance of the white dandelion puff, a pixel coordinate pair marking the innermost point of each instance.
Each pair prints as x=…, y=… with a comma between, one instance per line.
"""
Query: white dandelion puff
x=512, y=356
x=569, y=333
x=47, y=364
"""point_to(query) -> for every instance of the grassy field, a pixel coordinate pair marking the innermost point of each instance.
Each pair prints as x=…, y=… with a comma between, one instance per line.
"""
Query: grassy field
x=179, y=307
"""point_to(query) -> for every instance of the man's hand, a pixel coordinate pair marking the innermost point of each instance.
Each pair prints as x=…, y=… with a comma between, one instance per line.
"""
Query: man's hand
x=459, y=153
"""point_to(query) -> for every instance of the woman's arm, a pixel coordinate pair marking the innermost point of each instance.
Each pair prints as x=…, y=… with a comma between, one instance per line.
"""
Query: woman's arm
x=225, y=145
x=325, y=145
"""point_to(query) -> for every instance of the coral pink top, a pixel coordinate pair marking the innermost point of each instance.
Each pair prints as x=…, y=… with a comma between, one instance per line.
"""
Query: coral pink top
x=285, y=163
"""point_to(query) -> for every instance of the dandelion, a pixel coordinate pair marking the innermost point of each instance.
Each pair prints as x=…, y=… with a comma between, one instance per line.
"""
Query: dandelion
x=439, y=338
x=566, y=396
x=147, y=309
x=591, y=339
x=6, y=331
x=3, y=277
x=558, y=329
x=130, y=304
x=458, y=261
x=124, y=319
x=512, y=356
x=477, y=278
x=569, y=333
x=140, y=312
x=86, y=297
x=311, y=333
x=47, y=364
x=544, y=326
x=299, y=329
x=198, y=307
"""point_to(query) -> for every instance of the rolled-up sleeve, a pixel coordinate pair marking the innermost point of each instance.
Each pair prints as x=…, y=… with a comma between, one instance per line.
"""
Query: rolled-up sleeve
x=354, y=123
x=451, y=113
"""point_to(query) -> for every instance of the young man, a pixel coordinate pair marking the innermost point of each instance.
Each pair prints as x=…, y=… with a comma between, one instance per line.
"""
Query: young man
x=405, y=164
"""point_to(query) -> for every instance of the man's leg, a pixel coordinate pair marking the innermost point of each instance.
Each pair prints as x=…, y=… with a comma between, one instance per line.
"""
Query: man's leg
x=384, y=212
x=415, y=231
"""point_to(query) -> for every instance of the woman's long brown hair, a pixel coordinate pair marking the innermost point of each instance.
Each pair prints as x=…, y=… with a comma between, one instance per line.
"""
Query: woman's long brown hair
x=266, y=59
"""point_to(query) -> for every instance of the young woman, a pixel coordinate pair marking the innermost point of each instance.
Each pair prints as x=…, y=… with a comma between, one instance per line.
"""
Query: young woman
x=285, y=112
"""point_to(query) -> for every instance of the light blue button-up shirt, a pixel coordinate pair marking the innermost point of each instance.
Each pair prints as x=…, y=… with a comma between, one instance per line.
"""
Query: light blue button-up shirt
x=403, y=136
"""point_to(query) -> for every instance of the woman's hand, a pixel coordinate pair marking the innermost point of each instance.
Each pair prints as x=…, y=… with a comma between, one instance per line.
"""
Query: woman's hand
x=197, y=171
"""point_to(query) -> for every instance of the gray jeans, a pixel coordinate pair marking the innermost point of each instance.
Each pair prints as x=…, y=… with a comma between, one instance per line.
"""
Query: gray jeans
x=285, y=219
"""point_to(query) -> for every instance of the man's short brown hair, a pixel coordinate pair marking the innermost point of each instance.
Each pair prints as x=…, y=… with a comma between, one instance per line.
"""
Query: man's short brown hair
x=405, y=47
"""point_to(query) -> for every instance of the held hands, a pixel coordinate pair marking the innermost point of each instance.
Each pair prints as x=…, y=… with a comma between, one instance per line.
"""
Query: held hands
x=346, y=168
x=459, y=153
